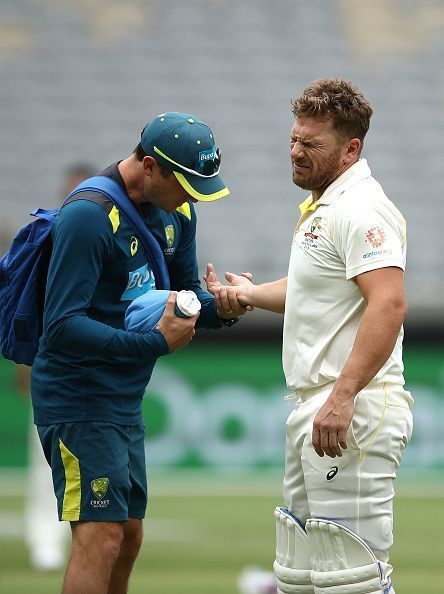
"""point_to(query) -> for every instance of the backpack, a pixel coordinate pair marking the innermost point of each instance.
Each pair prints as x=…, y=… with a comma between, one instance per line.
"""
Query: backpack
x=24, y=268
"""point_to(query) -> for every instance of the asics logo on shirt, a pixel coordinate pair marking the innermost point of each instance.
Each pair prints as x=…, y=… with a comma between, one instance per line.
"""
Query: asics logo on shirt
x=134, y=245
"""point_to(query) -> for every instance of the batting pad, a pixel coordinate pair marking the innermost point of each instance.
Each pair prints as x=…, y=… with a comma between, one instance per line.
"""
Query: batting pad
x=292, y=565
x=342, y=563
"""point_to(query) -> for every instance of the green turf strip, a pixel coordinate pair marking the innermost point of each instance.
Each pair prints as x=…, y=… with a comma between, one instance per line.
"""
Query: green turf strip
x=199, y=544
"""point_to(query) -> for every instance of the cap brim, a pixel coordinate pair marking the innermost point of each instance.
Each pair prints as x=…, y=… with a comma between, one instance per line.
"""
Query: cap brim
x=204, y=189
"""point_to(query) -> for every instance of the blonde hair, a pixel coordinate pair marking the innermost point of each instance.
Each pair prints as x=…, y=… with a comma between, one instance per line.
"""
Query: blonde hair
x=338, y=100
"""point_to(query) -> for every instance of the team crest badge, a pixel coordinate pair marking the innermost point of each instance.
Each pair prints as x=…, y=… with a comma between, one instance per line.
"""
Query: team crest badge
x=314, y=228
x=99, y=487
x=316, y=225
x=169, y=234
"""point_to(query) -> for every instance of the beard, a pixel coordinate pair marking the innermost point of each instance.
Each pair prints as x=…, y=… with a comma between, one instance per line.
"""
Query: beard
x=326, y=174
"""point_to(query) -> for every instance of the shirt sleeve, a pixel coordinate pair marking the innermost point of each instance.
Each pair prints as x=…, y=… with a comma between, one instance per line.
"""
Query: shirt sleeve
x=82, y=239
x=184, y=273
x=368, y=237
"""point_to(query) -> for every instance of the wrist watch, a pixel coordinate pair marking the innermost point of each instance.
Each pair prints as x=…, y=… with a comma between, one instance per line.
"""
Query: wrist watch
x=228, y=322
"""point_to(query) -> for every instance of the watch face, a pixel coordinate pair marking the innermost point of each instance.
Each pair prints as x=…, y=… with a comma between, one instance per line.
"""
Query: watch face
x=229, y=322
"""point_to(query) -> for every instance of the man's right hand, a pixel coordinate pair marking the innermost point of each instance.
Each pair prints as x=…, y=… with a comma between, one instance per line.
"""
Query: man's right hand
x=242, y=293
x=243, y=286
x=178, y=332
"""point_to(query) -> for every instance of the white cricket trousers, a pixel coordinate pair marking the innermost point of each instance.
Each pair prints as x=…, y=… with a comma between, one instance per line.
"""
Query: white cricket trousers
x=355, y=490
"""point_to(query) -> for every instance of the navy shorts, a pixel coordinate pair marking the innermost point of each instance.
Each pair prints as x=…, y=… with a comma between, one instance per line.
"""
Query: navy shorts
x=98, y=470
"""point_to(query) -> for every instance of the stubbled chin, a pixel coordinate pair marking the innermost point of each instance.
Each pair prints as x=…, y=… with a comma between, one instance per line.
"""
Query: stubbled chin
x=297, y=177
x=299, y=181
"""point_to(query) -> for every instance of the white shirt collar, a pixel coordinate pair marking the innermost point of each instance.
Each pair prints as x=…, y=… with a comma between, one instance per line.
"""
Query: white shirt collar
x=360, y=170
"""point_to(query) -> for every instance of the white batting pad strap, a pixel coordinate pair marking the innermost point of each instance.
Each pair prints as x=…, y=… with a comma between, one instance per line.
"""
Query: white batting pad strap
x=342, y=563
x=292, y=566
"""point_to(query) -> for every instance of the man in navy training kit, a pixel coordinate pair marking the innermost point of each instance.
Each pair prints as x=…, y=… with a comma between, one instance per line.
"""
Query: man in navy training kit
x=89, y=376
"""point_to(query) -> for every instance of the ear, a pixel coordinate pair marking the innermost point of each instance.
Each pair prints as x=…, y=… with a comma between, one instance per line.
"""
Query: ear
x=149, y=164
x=353, y=148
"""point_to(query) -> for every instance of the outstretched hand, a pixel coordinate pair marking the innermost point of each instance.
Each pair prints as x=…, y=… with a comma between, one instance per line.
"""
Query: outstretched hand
x=211, y=280
x=229, y=300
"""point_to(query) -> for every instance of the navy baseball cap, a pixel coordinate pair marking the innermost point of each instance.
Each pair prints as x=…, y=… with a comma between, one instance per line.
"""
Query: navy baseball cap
x=184, y=144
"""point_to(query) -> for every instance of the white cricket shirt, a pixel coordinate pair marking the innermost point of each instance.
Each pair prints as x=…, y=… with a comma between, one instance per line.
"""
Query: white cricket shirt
x=351, y=229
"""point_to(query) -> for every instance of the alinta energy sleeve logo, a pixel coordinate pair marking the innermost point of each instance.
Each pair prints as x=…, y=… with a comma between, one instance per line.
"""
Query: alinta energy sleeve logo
x=375, y=236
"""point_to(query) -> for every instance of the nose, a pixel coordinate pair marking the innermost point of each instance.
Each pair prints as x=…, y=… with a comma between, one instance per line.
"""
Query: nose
x=297, y=151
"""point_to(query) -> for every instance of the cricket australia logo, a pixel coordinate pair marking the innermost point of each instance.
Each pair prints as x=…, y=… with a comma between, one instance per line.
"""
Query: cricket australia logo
x=311, y=234
x=315, y=226
x=99, y=488
x=169, y=234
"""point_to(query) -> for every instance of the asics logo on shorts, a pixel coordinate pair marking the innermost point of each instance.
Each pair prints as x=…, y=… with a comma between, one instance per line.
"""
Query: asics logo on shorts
x=332, y=473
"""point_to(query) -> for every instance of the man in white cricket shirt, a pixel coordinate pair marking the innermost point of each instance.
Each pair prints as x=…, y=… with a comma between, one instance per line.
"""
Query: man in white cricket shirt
x=344, y=306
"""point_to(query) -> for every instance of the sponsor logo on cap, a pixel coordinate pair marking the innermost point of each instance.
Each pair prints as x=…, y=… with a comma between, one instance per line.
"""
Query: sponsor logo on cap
x=209, y=161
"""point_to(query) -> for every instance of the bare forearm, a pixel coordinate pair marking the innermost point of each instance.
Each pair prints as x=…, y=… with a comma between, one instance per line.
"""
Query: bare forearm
x=241, y=291
x=270, y=296
x=383, y=291
x=374, y=342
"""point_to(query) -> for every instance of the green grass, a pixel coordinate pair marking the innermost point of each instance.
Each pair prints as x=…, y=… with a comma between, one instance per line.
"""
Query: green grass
x=197, y=542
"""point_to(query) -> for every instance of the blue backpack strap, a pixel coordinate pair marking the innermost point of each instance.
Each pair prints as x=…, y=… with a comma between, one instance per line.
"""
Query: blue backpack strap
x=120, y=199
x=41, y=213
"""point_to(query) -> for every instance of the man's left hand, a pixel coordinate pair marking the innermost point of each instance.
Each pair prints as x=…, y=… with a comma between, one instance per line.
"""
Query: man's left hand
x=331, y=424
